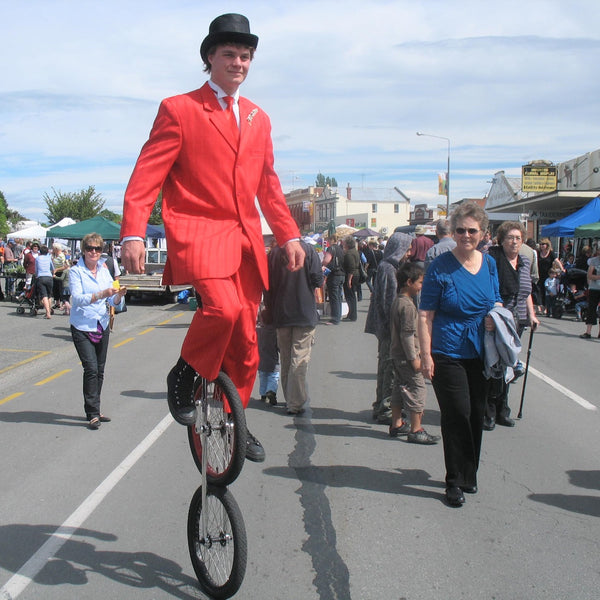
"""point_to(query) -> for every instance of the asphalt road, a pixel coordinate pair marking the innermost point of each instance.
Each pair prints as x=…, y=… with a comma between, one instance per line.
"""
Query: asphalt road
x=337, y=511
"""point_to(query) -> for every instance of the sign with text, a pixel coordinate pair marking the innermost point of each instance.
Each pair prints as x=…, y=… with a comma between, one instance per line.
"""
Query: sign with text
x=538, y=179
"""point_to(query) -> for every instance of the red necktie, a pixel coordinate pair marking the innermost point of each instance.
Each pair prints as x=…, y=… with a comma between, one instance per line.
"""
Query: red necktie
x=231, y=116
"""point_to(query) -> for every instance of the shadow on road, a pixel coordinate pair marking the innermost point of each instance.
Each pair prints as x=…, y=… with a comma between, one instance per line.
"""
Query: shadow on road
x=44, y=418
x=78, y=558
x=583, y=505
x=398, y=481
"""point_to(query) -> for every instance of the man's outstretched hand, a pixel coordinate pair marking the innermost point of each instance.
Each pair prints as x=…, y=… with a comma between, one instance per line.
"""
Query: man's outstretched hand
x=295, y=254
x=133, y=256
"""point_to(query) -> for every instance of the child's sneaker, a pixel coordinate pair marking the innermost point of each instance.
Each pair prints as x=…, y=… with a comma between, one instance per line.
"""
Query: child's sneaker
x=422, y=437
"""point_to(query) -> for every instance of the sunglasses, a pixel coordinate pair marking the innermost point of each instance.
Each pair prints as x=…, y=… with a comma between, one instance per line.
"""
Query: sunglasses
x=94, y=248
x=470, y=230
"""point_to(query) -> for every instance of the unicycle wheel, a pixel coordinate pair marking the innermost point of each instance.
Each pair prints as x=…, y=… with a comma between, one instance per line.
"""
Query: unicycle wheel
x=226, y=431
x=218, y=557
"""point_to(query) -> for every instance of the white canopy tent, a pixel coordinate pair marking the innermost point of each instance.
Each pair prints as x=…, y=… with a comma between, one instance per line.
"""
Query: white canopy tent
x=35, y=232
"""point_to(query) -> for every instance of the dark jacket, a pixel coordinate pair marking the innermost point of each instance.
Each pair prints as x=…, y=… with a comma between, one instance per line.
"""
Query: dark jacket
x=384, y=290
x=290, y=300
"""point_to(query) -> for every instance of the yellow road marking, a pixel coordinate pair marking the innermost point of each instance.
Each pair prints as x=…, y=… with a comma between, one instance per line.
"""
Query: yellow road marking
x=173, y=317
x=11, y=397
x=38, y=354
x=123, y=342
x=53, y=377
x=147, y=330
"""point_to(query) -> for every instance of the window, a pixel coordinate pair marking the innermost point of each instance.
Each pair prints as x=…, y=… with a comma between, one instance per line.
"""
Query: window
x=396, y=208
x=374, y=207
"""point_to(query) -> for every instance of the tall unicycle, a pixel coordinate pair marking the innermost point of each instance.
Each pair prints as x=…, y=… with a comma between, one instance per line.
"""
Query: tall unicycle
x=222, y=423
x=217, y=541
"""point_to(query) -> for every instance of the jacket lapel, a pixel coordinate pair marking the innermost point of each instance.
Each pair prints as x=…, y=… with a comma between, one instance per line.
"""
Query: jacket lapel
x=218, y=117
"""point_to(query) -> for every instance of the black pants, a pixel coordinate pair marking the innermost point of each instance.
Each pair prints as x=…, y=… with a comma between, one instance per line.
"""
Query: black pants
x=497, y=400
x=593, y=299
x=334, y=291
x=93, y=359
x=350, y=293
x=461, y=392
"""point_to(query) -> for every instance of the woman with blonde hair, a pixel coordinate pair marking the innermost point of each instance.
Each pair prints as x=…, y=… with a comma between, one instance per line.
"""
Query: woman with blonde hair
x=91, y=291
x=546, y=258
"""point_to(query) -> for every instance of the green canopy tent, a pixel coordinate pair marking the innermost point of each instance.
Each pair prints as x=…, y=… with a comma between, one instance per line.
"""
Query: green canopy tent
x=109, y=230
x=591, y=230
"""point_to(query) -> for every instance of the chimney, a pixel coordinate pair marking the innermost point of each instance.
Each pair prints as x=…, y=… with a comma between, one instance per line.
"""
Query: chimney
x=348, y=192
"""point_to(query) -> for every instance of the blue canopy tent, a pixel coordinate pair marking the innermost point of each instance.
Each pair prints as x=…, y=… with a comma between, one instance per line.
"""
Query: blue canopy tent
x=155, y=231
x=590, y=213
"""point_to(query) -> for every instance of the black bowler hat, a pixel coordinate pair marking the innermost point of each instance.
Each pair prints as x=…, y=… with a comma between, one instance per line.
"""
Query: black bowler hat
x=228, y=28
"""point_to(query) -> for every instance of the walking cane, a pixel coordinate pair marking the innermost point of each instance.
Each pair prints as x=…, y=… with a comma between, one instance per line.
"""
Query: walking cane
x=526, y=371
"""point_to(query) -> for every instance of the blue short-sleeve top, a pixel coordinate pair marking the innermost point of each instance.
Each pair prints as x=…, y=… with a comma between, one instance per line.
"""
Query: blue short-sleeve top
x=460, y=300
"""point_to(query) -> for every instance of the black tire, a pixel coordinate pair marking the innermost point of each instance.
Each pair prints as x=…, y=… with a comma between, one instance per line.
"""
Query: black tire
x=20, y=310
x=219, y=561
x=227, y=432
x=33, y=311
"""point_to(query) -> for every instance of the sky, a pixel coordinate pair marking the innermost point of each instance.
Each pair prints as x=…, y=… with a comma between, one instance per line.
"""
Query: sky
x=347, y=84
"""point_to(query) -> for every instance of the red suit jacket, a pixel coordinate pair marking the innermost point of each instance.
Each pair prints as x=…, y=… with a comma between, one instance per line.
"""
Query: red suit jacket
x=209, y=183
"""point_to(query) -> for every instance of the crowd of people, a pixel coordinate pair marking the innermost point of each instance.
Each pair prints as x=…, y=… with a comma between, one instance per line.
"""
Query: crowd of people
x=466, y=285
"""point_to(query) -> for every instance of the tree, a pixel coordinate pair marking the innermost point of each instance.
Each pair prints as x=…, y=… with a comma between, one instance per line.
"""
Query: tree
x=80, y=206
x=4, y=228
x=111, y=216
x=156, y=214
x=322, y=181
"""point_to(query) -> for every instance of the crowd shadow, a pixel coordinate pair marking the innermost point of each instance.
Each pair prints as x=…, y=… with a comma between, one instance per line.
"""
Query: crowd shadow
x=76, y=559
x=406, y=482
x=577, y=503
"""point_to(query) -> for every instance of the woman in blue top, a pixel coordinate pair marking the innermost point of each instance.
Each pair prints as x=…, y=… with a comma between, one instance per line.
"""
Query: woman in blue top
x=91, y=288
x=44, y=272
x=460, y=288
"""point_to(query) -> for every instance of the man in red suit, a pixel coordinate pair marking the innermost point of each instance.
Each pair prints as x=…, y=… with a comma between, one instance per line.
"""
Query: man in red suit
x=210, y=151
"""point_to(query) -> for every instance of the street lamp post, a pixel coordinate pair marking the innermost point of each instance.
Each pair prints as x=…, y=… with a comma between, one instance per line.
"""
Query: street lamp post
x=439, y=137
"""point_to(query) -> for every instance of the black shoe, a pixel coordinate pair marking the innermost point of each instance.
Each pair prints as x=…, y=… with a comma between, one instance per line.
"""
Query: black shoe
x=472, y=489
x=422, y=437
x=505, y=421
x=271, y=398
x=180, y=393
x=454, y=496
x=254, y=450
x=489, y=423
x=404, y=429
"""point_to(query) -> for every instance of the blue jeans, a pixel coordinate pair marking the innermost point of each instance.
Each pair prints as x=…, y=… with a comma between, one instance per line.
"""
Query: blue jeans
x=334, y=291
x=269, y=381
x=93, y=359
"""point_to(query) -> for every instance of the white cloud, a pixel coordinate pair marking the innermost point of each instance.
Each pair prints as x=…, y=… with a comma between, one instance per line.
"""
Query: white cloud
x=346, y=83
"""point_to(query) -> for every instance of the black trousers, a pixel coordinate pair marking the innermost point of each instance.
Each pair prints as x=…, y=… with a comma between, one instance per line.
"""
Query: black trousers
x=461, y=392
x=93, y=359
x=350, y=293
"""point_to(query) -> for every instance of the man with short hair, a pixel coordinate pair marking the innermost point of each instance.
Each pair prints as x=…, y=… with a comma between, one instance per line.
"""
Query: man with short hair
x=210, y=151
x=444, y=244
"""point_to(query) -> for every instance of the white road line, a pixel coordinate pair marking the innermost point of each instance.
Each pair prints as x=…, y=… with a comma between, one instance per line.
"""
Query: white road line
x=20, y=580
x=561, y=388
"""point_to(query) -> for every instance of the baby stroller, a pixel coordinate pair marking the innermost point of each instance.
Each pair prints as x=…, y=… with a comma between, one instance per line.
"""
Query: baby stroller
x=27, y=298
x=565, y=300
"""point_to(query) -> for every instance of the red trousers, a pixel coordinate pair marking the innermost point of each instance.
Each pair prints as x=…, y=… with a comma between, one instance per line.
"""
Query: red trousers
x=222, y=334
